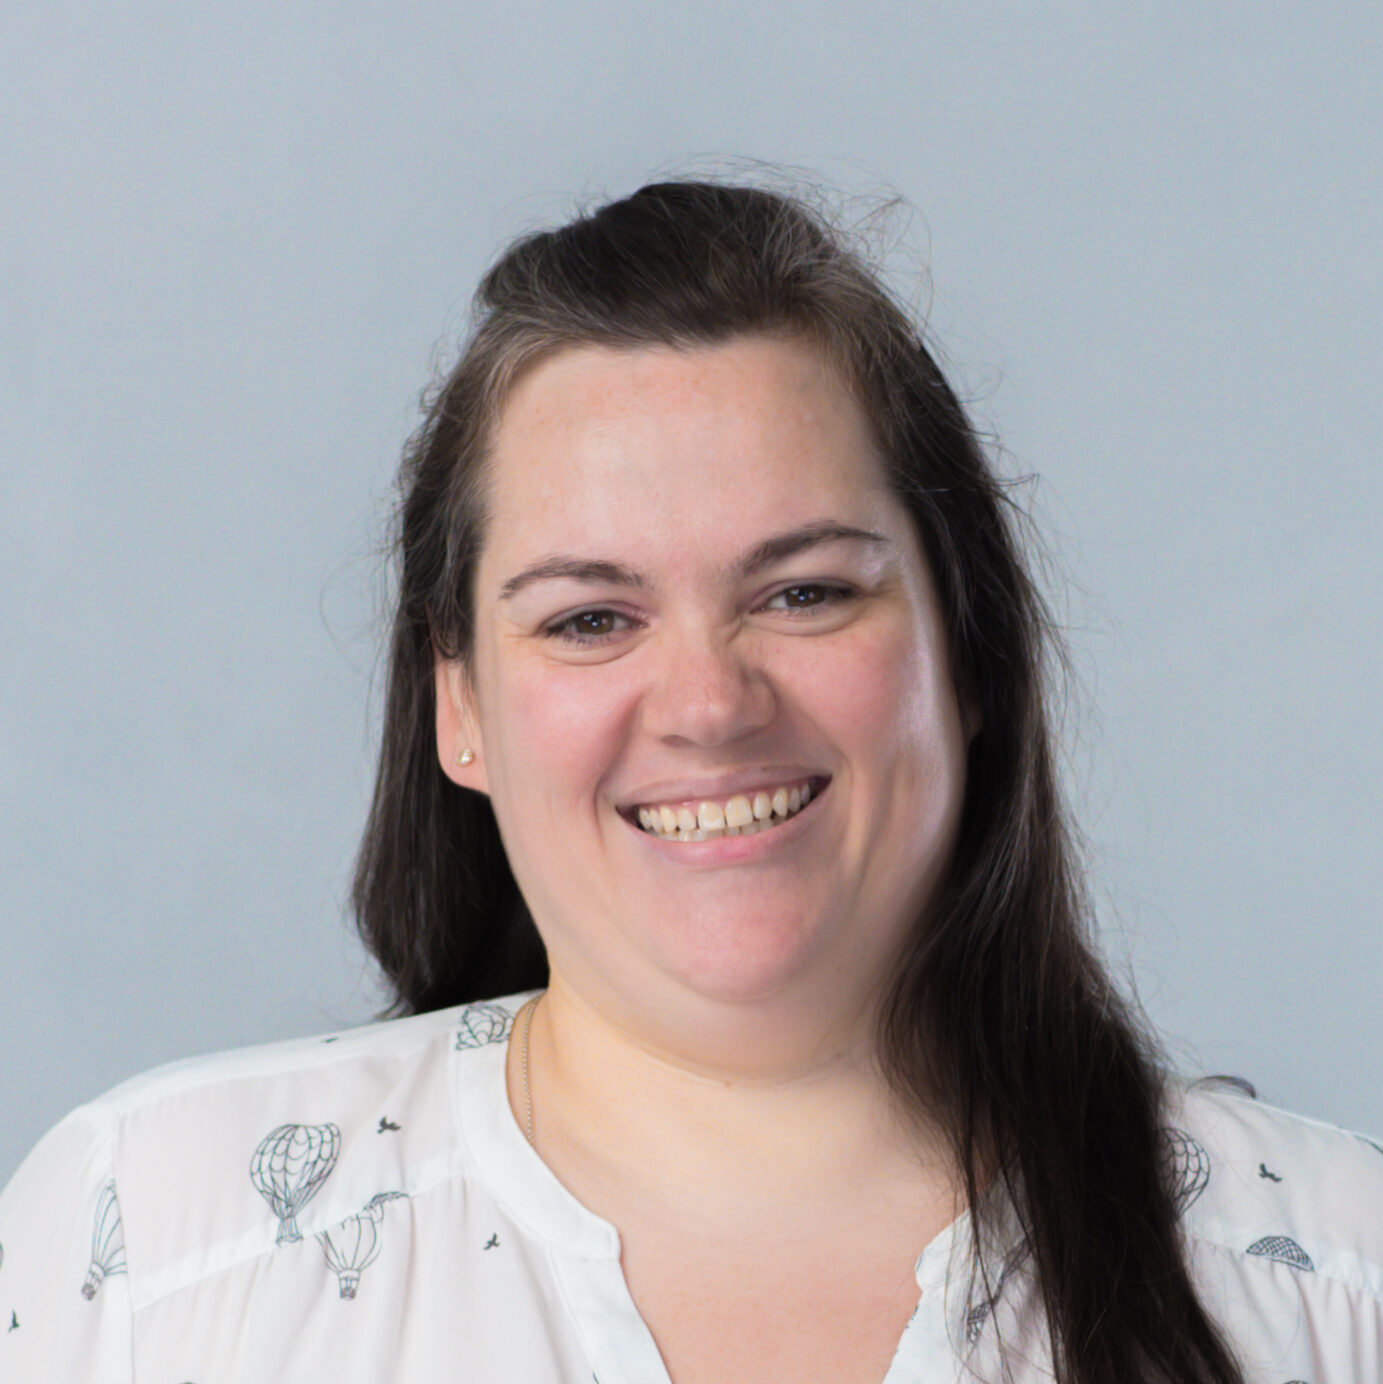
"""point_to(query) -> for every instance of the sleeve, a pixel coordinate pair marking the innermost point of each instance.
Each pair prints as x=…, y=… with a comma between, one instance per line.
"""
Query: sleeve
x=65, y=1314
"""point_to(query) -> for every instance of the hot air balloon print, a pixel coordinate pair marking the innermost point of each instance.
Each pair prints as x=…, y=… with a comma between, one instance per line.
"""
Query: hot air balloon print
x=1285, y=1250
x=288, y=1167
x=1186, y=1165
x=980, y=1313
x=107, y=1242
x=375, y=1206
x=353, y=1245
x=481, y=1024
x=975, y=1319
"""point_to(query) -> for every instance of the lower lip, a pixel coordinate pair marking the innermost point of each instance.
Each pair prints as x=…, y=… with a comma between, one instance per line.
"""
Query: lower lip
x=731, y=850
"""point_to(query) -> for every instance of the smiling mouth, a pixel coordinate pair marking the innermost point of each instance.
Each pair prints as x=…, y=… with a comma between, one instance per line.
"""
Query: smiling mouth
x=743, y=814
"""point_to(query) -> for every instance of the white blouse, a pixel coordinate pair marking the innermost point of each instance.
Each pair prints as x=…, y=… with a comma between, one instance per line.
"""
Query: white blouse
x=363, y=1207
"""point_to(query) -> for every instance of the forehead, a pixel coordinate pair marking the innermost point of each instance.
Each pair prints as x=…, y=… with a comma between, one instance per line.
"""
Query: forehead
x=669, y=455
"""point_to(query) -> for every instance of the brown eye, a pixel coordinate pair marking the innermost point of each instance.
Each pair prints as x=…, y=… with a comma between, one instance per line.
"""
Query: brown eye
x=808, y=596
x=587, y=627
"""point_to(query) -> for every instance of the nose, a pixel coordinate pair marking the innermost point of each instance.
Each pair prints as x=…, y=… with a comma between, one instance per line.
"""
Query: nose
x=707, y=689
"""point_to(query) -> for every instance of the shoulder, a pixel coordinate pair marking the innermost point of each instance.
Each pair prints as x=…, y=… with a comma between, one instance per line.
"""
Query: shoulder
x=1275, y=1190
x=359, y=1067
x=373, y=1047
x=207, y=1161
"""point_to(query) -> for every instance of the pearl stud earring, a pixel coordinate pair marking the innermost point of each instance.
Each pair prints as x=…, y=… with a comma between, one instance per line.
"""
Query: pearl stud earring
x=464, y=757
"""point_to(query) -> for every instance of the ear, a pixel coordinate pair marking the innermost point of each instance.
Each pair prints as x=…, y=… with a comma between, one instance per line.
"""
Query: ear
x=457, y=727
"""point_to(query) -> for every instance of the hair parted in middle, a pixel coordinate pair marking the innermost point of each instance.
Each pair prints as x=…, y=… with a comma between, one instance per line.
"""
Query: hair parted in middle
x=1000, y=1025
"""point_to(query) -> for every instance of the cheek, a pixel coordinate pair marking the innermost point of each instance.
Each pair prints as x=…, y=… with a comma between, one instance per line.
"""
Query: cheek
x=890, y=706
x=560, y=728
x=879, y=692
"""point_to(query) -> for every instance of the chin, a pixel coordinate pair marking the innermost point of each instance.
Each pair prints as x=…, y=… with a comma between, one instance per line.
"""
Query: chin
x=739, y=962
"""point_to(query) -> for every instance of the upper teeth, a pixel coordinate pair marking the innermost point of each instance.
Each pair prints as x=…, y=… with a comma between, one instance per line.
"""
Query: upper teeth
x=741, y=815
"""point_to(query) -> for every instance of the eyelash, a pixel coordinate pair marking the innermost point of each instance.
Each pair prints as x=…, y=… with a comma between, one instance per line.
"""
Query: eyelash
x=559, y=630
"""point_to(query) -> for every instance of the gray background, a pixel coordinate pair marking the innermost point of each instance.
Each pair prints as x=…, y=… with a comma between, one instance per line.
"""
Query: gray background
x=234, y=235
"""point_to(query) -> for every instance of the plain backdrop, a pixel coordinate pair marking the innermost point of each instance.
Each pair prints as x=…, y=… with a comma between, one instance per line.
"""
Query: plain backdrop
x=236, y=239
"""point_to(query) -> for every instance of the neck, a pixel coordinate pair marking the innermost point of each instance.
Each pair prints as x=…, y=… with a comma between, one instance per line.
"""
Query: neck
x=618, y=1113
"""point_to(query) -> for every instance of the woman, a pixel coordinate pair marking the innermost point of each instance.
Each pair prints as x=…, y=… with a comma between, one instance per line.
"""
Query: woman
x=717, y=791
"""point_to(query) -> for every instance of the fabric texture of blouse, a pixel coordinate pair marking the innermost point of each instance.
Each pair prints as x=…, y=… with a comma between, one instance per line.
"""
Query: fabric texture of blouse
x=363, y=1207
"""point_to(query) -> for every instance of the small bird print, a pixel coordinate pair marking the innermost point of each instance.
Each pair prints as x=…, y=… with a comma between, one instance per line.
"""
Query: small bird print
x=492, y=1242
x=386, y=1125
x=1263, y=1172
x=14, y=1321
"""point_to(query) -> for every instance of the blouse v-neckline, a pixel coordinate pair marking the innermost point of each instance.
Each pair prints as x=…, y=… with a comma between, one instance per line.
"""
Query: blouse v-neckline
x=583, y=1248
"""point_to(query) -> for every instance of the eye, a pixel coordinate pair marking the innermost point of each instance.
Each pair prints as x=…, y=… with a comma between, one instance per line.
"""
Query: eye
x=587, y=627
x=808, y=596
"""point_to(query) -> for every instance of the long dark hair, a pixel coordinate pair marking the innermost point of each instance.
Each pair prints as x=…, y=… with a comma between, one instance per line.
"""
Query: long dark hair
x=1001, y=1025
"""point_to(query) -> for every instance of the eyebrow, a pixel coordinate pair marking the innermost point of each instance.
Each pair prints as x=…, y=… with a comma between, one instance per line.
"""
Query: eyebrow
x=772, y=550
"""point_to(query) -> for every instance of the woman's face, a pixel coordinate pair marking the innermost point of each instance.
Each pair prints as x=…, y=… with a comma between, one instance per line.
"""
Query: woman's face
x=695, y=589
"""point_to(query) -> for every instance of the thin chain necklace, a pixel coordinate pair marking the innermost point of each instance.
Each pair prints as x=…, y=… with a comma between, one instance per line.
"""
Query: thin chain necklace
x=523, y=1068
